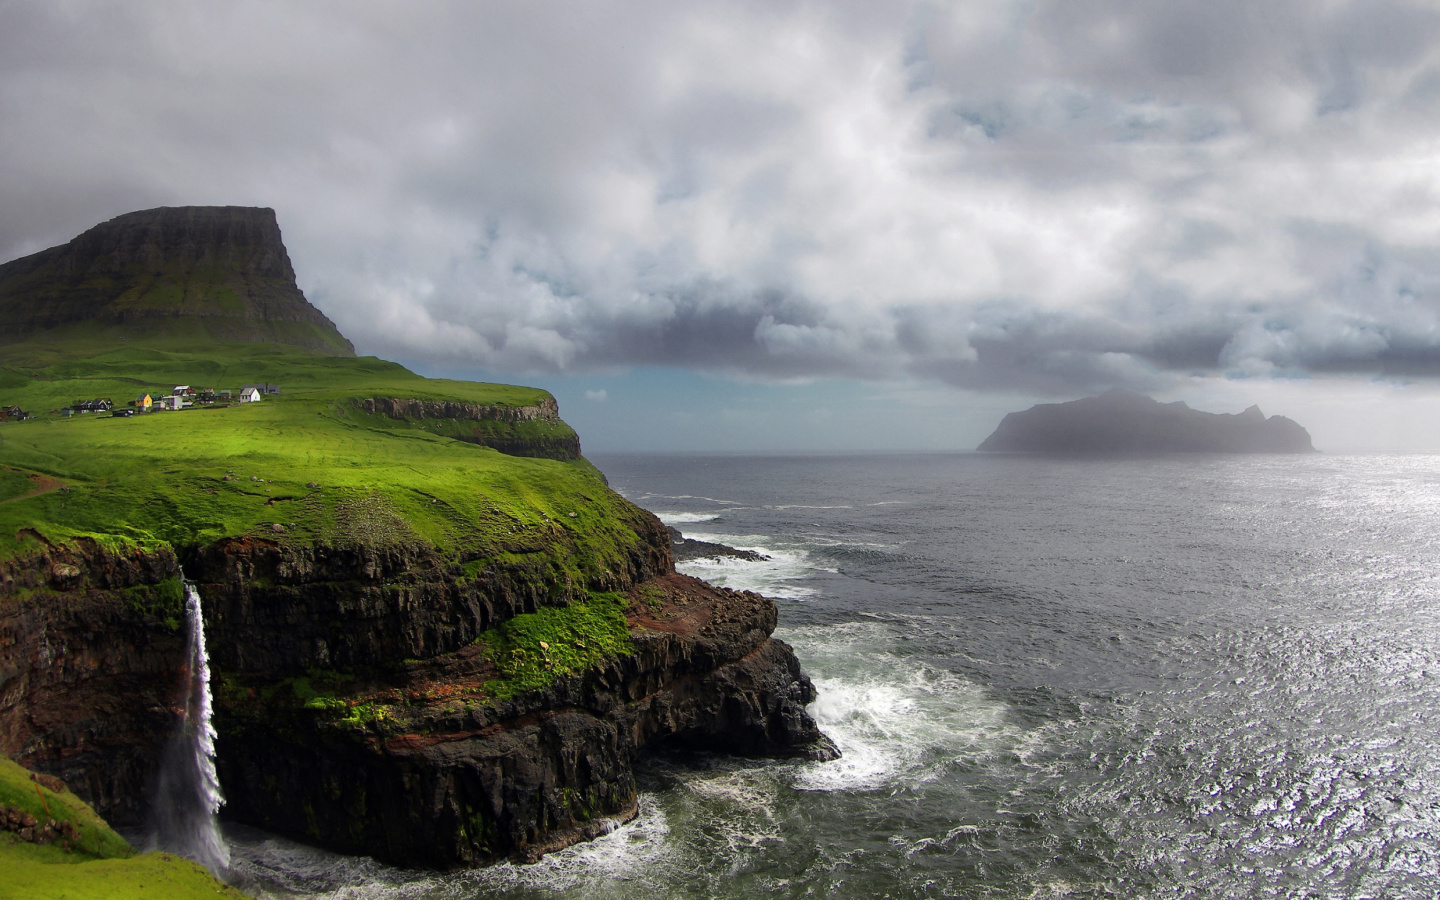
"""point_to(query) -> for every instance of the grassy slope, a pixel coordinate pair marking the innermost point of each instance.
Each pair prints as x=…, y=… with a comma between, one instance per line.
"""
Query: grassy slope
x=161, y=477
x=103, y=865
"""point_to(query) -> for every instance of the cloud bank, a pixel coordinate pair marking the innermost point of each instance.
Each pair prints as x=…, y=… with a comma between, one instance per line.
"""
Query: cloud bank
x=1053, y=196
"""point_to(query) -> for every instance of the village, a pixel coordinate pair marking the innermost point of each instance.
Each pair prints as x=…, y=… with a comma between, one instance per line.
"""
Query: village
x=182, y=396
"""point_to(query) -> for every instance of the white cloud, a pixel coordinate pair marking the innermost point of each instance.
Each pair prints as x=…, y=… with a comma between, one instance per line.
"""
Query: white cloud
x=1054, y=196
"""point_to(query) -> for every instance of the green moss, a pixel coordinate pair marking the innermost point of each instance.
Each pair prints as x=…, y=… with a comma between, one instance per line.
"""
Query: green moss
x=532, y=650
x=164, y=602
x=652, y=596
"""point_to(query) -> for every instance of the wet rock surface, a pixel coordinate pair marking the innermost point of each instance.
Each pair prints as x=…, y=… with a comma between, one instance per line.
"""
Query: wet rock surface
x=688, y=548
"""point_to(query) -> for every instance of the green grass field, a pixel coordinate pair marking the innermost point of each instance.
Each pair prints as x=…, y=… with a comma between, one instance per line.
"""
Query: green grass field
x=193, y=476
x=100, y=865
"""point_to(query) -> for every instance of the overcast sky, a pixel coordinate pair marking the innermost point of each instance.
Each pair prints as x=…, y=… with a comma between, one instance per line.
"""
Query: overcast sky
x=793, y=226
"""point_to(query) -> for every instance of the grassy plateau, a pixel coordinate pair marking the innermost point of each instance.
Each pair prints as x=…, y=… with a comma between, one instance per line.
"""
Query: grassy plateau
x=192, y=476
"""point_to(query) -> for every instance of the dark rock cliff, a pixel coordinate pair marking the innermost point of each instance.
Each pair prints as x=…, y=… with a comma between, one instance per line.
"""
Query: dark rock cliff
x=515, y=430
x=1126, y=422
x=417, y=760
x=90, y=668
x=225, y=267
x=447, y=776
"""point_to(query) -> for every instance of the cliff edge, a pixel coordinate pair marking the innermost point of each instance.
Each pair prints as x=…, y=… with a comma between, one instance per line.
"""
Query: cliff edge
x=1127, y=422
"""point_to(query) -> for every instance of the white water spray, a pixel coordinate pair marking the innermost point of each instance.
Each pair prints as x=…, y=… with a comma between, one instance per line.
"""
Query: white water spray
x=188, y=789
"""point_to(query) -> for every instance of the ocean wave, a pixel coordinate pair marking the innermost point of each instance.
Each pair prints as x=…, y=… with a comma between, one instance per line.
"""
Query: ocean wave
x=269, y=867
x=779, y=576
x=895, y=719
x=685, y=518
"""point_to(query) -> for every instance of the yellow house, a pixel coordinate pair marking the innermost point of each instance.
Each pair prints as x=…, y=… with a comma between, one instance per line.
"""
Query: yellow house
x=143, y=402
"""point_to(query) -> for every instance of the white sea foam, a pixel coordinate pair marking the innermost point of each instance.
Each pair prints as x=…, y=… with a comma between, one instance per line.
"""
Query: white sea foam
x=271, y=868
x=778, y=576
x=636, y=851
x=685, y=518
x=894, y=718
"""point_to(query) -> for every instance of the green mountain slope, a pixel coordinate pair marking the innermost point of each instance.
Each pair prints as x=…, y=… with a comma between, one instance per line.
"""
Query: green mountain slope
x=297, y=460
x=165, y=277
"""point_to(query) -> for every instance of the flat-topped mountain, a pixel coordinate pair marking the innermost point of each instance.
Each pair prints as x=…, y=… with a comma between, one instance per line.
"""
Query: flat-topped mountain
x=208, y=273
x=1127, y=422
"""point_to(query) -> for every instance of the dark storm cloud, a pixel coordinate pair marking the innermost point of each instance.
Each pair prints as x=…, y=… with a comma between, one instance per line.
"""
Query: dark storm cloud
x=1044, y=196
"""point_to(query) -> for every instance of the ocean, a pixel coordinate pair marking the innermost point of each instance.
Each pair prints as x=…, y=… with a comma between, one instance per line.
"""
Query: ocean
x=1181, y=677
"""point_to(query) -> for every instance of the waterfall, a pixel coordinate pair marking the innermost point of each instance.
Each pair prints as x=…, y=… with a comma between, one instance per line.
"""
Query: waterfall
x=188, y=788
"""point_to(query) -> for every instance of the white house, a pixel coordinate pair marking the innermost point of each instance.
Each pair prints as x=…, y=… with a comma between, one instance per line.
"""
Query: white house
x=250, y=395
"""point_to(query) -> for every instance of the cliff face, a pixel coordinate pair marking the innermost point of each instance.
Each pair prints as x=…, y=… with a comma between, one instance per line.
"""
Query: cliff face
x=90, y=668
x=281, y=609
x=224, y=267
x=356, y=707
x=427, y=767
x=535, y=431
x=1126, y=422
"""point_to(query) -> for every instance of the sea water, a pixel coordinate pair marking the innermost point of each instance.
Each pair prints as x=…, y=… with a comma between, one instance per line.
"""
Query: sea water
x=1177, y=677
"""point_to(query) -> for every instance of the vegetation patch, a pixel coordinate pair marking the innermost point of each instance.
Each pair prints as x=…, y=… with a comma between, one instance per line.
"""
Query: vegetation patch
x=92, y=836
x=530, y=651
x=164, y=602
x=14, y=483
x=33, y=872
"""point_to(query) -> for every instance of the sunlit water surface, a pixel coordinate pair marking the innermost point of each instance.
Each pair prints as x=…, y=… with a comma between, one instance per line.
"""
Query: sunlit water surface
x=1168, y=678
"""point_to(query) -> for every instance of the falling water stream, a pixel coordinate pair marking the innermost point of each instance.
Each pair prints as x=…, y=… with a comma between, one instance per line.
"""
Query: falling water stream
x=188, y=788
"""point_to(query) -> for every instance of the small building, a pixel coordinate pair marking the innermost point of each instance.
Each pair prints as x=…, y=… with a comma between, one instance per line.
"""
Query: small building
x=250, y=394
x=101, y=404
x=183, y=390
x=11, y=414
x=143, y=402
x=226, y=396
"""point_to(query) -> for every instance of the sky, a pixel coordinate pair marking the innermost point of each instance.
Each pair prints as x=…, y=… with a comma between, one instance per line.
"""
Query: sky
x=772, y=226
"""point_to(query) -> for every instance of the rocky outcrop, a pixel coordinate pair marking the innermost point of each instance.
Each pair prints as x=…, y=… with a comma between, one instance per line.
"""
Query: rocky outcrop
x=534, y=431
x=689, y=548
x=400, y=408
x=224, y=267
x=440, y=774
x=90, y=658
x=279, y=609
x=1127, y=422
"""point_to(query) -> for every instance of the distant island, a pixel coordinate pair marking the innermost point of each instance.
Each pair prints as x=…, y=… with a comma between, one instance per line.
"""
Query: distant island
x=1127, y=422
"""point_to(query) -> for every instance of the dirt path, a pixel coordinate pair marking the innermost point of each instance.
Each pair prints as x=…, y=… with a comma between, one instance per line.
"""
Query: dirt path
x=44, y=484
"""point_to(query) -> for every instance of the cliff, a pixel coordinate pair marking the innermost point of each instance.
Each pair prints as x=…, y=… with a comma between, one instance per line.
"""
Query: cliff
x=1126, y=422
x=422, y=648
x=379, y=701
x=515, y=430
x=220, y=272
